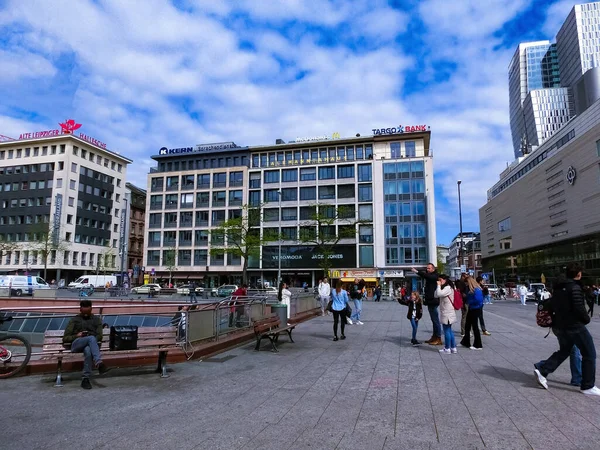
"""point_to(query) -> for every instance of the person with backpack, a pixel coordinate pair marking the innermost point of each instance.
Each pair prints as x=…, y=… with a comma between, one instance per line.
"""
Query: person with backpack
x=475, y=300
x=430, y=276
x=445, y=294
x=568, y=321
x=415, y=312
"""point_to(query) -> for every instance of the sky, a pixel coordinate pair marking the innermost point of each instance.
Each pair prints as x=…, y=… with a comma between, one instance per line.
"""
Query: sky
x=143, y=75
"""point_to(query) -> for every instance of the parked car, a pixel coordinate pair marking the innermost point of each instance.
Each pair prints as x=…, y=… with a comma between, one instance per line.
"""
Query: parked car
x=185, y=289
x=492, y=288
x=533, y=287
x=145, y=289
x=226, y=290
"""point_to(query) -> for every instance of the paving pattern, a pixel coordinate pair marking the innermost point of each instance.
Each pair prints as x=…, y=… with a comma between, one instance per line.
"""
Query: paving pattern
x=372, y=391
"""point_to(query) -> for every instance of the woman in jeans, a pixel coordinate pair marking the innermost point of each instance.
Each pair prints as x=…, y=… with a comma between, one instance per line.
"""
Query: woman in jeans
x=475, y=301
x=445, y=292
x=339, y=301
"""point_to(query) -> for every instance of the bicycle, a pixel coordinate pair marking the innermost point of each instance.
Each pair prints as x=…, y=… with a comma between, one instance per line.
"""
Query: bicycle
x=15, y=352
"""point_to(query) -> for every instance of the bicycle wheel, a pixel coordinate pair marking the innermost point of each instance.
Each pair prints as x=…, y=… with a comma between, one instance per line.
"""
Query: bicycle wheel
x=15, y=352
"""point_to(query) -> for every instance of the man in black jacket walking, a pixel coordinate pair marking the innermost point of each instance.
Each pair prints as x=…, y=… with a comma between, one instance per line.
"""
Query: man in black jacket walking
x=569, y=320
x=431, y=276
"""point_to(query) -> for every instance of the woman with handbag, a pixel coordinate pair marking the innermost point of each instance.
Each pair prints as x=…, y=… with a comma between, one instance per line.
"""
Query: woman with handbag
x=339, y=302
x=445, y=292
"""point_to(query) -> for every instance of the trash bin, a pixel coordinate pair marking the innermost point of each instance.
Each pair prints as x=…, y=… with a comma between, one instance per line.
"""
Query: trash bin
x=281, y=311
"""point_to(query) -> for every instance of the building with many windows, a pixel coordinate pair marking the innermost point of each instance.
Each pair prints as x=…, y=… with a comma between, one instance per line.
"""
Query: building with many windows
x=377, y=189
x=61, y=200
x=136, y=219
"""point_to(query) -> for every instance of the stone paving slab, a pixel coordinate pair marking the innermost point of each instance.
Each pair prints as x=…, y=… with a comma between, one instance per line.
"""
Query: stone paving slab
x=372, y=391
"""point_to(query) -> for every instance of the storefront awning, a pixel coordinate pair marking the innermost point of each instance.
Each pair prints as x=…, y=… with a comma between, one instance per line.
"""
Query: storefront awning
x=347, y=280
x=372, y=280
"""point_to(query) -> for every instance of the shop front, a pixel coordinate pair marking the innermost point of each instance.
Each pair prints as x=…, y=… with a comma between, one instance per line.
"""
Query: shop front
x=347, y=276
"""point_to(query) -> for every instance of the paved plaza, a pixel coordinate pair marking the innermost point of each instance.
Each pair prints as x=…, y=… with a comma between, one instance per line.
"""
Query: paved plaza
x=372, y=391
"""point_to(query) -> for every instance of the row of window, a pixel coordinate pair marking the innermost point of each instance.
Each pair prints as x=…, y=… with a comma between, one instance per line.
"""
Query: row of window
x=401, y=209
x=365, y=194
x=27, y=152
x=392, y=189
x=184, y=258
x=27, y=168
x=405, y=255
x=201, y=181
x=34, y=258
x=313, y=156
x=310, y=174
x=205, y=163
x=91, y=173
x=203, y=200
x=186, y=218
x=410, y=149
x=84, y=154
x=394, y=232
x=404, y=170
x=25, y=202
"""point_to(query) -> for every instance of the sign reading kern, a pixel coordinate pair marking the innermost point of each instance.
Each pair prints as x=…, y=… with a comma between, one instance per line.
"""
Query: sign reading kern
x=199, y=148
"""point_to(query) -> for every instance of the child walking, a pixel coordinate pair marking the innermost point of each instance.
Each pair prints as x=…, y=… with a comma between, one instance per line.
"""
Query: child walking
x=415, y=312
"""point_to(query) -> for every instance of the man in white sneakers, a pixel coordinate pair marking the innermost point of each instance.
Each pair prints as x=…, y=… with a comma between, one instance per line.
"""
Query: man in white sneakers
x=569, y=320
x=324, y=295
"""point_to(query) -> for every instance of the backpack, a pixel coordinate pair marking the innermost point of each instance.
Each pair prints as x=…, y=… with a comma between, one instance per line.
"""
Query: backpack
x=543, y=316
x=458, y=300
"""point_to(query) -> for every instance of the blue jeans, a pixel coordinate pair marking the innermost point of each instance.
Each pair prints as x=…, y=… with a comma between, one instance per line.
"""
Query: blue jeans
x=575, y=362
x=568, y=338
x=449, y=341
x=415, y=325
x=91, y=352
x=487, y=299
x=357, y=309
x=435, y=320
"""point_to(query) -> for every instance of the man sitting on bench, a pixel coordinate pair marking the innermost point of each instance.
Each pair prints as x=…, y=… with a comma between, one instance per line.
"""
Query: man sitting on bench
x=84, y=334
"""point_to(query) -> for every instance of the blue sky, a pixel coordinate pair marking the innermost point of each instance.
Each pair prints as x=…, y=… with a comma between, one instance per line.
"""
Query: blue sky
x=183, y=72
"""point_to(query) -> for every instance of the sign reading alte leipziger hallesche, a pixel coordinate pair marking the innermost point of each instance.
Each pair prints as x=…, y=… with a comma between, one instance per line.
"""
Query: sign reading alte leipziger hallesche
x=68, y=127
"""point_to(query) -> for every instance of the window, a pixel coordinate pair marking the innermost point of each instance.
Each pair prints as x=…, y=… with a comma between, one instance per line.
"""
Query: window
x=410, y=149
x=289, y=233
x=365, y=256
x=504, y=224
x=185, y=237
x=200, y=257
x=418, y=186
x=235, y=198
x=217, y=260
x=202, y=218
x=346, y=212
x=289, y=194
x=187, y=181
x=419, y=230
x=289, y=214
x=237, y=179
x=202, y=199
x=203, y=181
x=326, y=173
x=345, y=172
x=326, y=192
x=74, y=170
x=255, y=180
x=171, y=201
x=418, y=208
x=417, y=168
x=187, y=200
x=308, y=174
x=271, y=176
x=157, y=184
x=218, y=217
x=172, y=183
x=308, y=193
x=69, y=218
x=395, y=149
x=201, y=238
x=365, y=212
x=219, y=180
x=154, y=239
x=271, y=215
x=364, y=172
x=308, y=212
x=271, y=195
x=218, y=198
x=365, y=193
x=346, y=191
x=289, y=175
x=365, y=234
x=420, y=254
x=71, y=201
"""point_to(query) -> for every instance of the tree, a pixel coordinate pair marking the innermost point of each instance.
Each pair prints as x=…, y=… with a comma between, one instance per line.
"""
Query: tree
x=240, y=236
x=441, y=262
x=319, y=230
x=104, y=259
x=46, y=240
x=170, y=262
x=6, y=246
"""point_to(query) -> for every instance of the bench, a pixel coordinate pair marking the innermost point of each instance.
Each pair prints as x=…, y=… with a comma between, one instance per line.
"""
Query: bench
x=270, y=328
x=151, y=341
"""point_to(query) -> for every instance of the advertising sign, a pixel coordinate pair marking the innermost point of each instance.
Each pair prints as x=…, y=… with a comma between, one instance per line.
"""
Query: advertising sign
x=57, y=214
x=307, y=257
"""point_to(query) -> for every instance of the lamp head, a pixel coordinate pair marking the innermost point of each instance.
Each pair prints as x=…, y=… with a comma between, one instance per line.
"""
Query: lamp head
x=458, y=182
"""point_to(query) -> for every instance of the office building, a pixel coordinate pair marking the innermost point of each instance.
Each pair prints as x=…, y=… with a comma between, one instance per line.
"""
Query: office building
x=62, y=198
x=136, y=219
x=458, y=257
x=543, y=212
x=387, y=176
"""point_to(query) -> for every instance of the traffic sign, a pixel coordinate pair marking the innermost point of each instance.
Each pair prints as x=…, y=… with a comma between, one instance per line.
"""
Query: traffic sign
x=463, y=268
x=152, y=271
x=484, y=276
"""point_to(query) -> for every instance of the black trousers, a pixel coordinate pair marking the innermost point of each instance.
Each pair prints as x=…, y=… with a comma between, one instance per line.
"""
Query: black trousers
x=481, y=321
x=472, y=318
x=339, y=316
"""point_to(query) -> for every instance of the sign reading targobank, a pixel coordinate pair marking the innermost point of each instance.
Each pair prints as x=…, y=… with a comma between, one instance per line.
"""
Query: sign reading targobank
x=400, y=129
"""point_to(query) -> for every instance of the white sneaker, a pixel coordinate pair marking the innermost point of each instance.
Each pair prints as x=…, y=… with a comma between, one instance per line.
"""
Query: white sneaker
x=591, y=391
x=453, y=350
x=359, y=322
x=541, y=380
x=349, y=322
x=475, y=348
x=445, y=350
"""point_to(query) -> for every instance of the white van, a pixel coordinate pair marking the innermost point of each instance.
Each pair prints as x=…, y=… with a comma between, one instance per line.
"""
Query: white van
x=93, y=280
x=23, y=284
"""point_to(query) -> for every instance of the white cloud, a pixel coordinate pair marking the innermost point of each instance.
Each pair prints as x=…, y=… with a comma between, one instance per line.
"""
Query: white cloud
x=556, y=15
x=22, y=64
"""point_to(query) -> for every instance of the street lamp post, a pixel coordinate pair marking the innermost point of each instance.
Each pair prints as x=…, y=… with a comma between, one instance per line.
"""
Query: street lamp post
x=279, y=193
x=460, y=250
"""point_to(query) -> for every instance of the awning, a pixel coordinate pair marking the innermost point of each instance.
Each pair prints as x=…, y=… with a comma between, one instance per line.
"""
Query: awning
x=346, y=280
x=373, y=280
